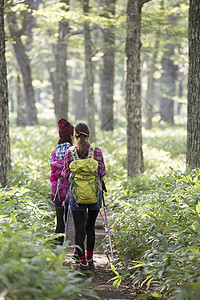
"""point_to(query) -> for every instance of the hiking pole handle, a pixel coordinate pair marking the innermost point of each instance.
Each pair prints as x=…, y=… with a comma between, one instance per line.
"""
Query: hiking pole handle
x=104, y=186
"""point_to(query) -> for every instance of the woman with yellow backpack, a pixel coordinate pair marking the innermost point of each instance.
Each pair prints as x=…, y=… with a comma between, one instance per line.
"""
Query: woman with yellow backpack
x=84, y=168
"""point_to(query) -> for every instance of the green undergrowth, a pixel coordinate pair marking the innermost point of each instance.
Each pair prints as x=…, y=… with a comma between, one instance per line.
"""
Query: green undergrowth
x=30, y=267
x=156, y=220
x=156, y=236
x=154, y=223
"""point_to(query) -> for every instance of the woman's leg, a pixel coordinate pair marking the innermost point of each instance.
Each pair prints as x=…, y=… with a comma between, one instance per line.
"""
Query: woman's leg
x=60, y=224
x=79, y=218
x=90, y=231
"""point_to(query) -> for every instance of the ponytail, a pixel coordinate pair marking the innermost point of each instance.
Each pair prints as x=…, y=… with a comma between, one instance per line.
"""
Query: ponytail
x=82, y=147
x=82, y=131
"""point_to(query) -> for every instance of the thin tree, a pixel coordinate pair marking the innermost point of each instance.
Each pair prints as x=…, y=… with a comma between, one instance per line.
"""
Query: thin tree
x=135, y=163
x=193, y=107
x=89, y=72
x=21, y=101
x=168, y=85
x=61, y=95
x=22, y=106
x=24, y=64
x=107, y=71
x=5, y=164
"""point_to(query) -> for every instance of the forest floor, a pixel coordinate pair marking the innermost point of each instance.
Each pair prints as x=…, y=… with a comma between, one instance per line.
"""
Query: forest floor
x=101, y=281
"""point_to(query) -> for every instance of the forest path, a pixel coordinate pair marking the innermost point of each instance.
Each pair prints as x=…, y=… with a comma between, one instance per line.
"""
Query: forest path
x=101, y=280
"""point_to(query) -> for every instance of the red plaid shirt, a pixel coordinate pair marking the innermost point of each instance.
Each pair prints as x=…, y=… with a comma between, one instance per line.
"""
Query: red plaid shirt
x=98, y=155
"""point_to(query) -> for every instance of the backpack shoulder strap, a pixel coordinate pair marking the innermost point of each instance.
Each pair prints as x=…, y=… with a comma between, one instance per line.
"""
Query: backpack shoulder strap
x=90, y=152
x=74, y=153
x=53, y=154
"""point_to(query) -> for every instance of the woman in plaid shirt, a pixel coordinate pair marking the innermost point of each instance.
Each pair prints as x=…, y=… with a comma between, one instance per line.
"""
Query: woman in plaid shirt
x=84, y=215
x=66, y=139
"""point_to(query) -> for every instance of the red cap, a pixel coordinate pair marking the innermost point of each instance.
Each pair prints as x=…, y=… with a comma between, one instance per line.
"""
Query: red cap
x=64, y=127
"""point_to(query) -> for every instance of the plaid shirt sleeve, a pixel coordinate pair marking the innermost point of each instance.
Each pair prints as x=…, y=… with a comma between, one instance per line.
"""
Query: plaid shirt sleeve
x=68, y=158
x=98, y=155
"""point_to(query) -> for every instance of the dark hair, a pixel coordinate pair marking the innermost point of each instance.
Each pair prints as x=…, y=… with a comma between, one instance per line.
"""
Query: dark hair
x=82, y=131
x=65, y=139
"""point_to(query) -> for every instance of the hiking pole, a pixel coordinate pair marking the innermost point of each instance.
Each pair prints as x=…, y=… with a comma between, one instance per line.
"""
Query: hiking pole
x=67, y=220
x=66, y=225
x=102, y=216
x=104, y=206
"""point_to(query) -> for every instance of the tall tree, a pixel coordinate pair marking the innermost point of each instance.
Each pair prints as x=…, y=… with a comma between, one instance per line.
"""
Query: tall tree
x=33, y=5
x=168, y=76
x=61, y=95
x=5, y=164
x=135, y=163
x=24, y=64
x=89, y=72
x=193, y=119
x=107, y=72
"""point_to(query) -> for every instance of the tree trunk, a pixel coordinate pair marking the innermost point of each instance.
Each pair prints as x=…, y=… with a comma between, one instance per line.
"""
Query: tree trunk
x=168, y=85
x=61, y=97
x=78, y=98
x=31, y=21
x=193, y=119
x=24, y=64
x=151, y=87
x=5, y=163
x=168, y=77
x=133, y=90
x=107, y=72
x=52, y=78
x=89, y=73
x=21, y=102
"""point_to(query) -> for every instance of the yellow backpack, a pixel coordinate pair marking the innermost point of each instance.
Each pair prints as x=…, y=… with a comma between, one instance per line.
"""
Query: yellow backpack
x=84, y=180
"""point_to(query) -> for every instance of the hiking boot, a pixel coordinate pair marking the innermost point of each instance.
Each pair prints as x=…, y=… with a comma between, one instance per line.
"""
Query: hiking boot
x=91, y=264
x=84, y=269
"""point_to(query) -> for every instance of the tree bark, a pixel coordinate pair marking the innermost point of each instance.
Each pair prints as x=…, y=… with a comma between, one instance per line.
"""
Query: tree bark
x=89, y=73
x=24, y=64
x=193, y=119
x=107, y=72
x=5, y=163
x=133, y=90
x=61, y=96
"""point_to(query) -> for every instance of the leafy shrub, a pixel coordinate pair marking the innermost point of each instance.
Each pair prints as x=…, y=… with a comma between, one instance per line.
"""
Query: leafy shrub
x=155, y=221
x=157, y=232
x=30, y=268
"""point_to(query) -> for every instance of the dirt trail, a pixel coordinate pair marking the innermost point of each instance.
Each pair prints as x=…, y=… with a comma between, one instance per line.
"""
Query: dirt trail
x=101, y=280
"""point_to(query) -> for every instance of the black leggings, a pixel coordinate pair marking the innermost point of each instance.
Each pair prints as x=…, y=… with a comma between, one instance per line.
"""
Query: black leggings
x=84, y=223
x=61, y=216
